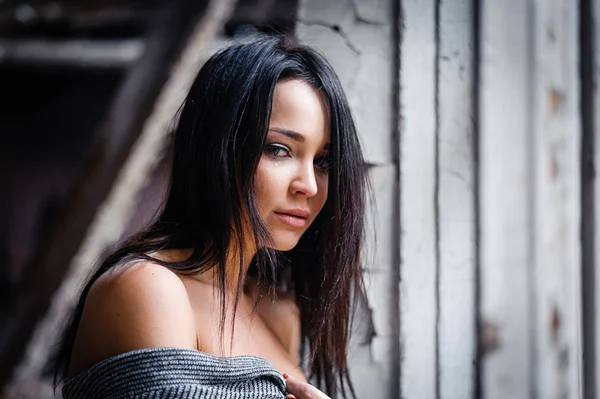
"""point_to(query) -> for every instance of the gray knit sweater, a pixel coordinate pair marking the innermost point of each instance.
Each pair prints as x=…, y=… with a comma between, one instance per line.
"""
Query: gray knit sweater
x=157, y=373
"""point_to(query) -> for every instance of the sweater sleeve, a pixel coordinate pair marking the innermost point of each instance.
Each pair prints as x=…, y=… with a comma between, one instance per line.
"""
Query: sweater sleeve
x=176, y=373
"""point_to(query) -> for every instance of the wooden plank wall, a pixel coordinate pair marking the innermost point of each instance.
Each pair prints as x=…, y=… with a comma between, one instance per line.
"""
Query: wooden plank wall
x=437, y=205
x=555, y=150
x=418, y=175
x=530, y=199
x=456, y=199
x=588, y=67
x=506, y=231
x=595, y=115
x=588, y=57
x=490, y=218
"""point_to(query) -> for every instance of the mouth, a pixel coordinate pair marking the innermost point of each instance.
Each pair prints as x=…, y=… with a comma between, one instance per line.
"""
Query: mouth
x=295, y=218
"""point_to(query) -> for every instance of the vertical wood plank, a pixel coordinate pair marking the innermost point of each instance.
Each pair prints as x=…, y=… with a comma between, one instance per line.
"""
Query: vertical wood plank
x=556, y=140
x=505, y=229
x=457, y=346
x=587, y=57
x=373, y=355
x=596, y=115
x=417, y=201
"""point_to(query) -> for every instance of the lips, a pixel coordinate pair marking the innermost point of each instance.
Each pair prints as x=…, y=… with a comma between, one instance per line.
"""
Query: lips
x=293, y=217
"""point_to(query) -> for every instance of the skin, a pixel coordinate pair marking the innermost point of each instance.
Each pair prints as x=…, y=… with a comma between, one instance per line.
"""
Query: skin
x=143, y=305
x=297, y=389
x=292, y=173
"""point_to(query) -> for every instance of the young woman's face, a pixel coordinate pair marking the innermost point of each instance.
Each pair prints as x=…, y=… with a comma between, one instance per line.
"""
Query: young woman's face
x=292, y=175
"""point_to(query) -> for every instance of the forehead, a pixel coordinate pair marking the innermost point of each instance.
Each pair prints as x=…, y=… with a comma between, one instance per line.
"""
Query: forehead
x=299, y=107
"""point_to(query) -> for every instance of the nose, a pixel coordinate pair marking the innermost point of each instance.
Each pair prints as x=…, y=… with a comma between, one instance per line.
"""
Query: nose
x=305, y=181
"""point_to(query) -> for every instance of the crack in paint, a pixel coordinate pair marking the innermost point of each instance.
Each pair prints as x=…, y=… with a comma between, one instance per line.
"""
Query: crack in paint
x=370, y=331
x=359, y=18
x=334, y=28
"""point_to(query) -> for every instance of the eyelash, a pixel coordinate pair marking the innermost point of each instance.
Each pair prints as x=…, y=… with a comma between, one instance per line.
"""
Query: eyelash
x=324, y=159
x=273, y=151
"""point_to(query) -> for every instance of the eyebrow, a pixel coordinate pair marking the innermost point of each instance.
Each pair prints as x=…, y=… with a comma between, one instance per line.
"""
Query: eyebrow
x=290, y=133
x=293, y=135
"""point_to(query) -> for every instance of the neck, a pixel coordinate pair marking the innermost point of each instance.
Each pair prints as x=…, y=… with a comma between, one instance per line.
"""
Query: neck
x=236, y=267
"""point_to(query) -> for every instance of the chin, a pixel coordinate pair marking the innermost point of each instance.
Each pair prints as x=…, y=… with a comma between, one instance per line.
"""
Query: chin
x=285, y=241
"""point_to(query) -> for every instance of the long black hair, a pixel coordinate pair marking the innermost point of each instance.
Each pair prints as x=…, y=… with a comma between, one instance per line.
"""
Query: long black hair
x=218, y=142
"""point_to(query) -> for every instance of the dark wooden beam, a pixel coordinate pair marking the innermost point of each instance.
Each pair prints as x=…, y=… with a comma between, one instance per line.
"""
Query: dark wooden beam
x=123, y=18
x=279, y=15
x=49, y=18
x=120, y=54
x=132, y=105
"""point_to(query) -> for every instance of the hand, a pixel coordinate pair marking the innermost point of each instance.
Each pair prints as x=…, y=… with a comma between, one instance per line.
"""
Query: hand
x=301, y=390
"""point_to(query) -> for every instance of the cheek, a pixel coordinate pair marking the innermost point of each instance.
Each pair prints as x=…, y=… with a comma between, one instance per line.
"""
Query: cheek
x=269, y=182
x=322, y=193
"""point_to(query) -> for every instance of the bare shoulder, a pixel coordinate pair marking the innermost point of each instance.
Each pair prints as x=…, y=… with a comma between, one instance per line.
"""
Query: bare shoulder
x=142, y=305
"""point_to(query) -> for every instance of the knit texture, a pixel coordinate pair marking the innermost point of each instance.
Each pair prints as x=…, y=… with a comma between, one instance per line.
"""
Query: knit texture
x=157, y=373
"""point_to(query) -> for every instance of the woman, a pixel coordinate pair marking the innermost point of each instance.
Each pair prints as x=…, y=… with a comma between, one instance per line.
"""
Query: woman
x=267, y=177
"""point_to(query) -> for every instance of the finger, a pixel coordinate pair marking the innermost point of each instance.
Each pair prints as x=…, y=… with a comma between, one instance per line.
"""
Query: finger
x=302, y=390
x=296, y=388
x=289, y=396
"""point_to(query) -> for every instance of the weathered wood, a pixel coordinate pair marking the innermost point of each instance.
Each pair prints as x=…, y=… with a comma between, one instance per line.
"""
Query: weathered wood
x=555, y=168
x=72, y=53
x=71, y=17
x=592, y=173
x=418, y=294
x=374, y=349
x=272, y=13
x=356, y=36
x=589, y=250
x=505, y=199
x=381, y=279
x=378, y=254
x=456, y=200
x=128, y=112
x=590, y=191
x=589, y=273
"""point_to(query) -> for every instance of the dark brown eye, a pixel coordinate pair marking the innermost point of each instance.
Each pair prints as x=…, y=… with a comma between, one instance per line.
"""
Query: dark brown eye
x=277, y=151
x=323, y=162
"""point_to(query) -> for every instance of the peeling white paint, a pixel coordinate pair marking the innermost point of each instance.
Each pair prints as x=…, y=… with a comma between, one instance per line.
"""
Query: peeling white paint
x=361, y=49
